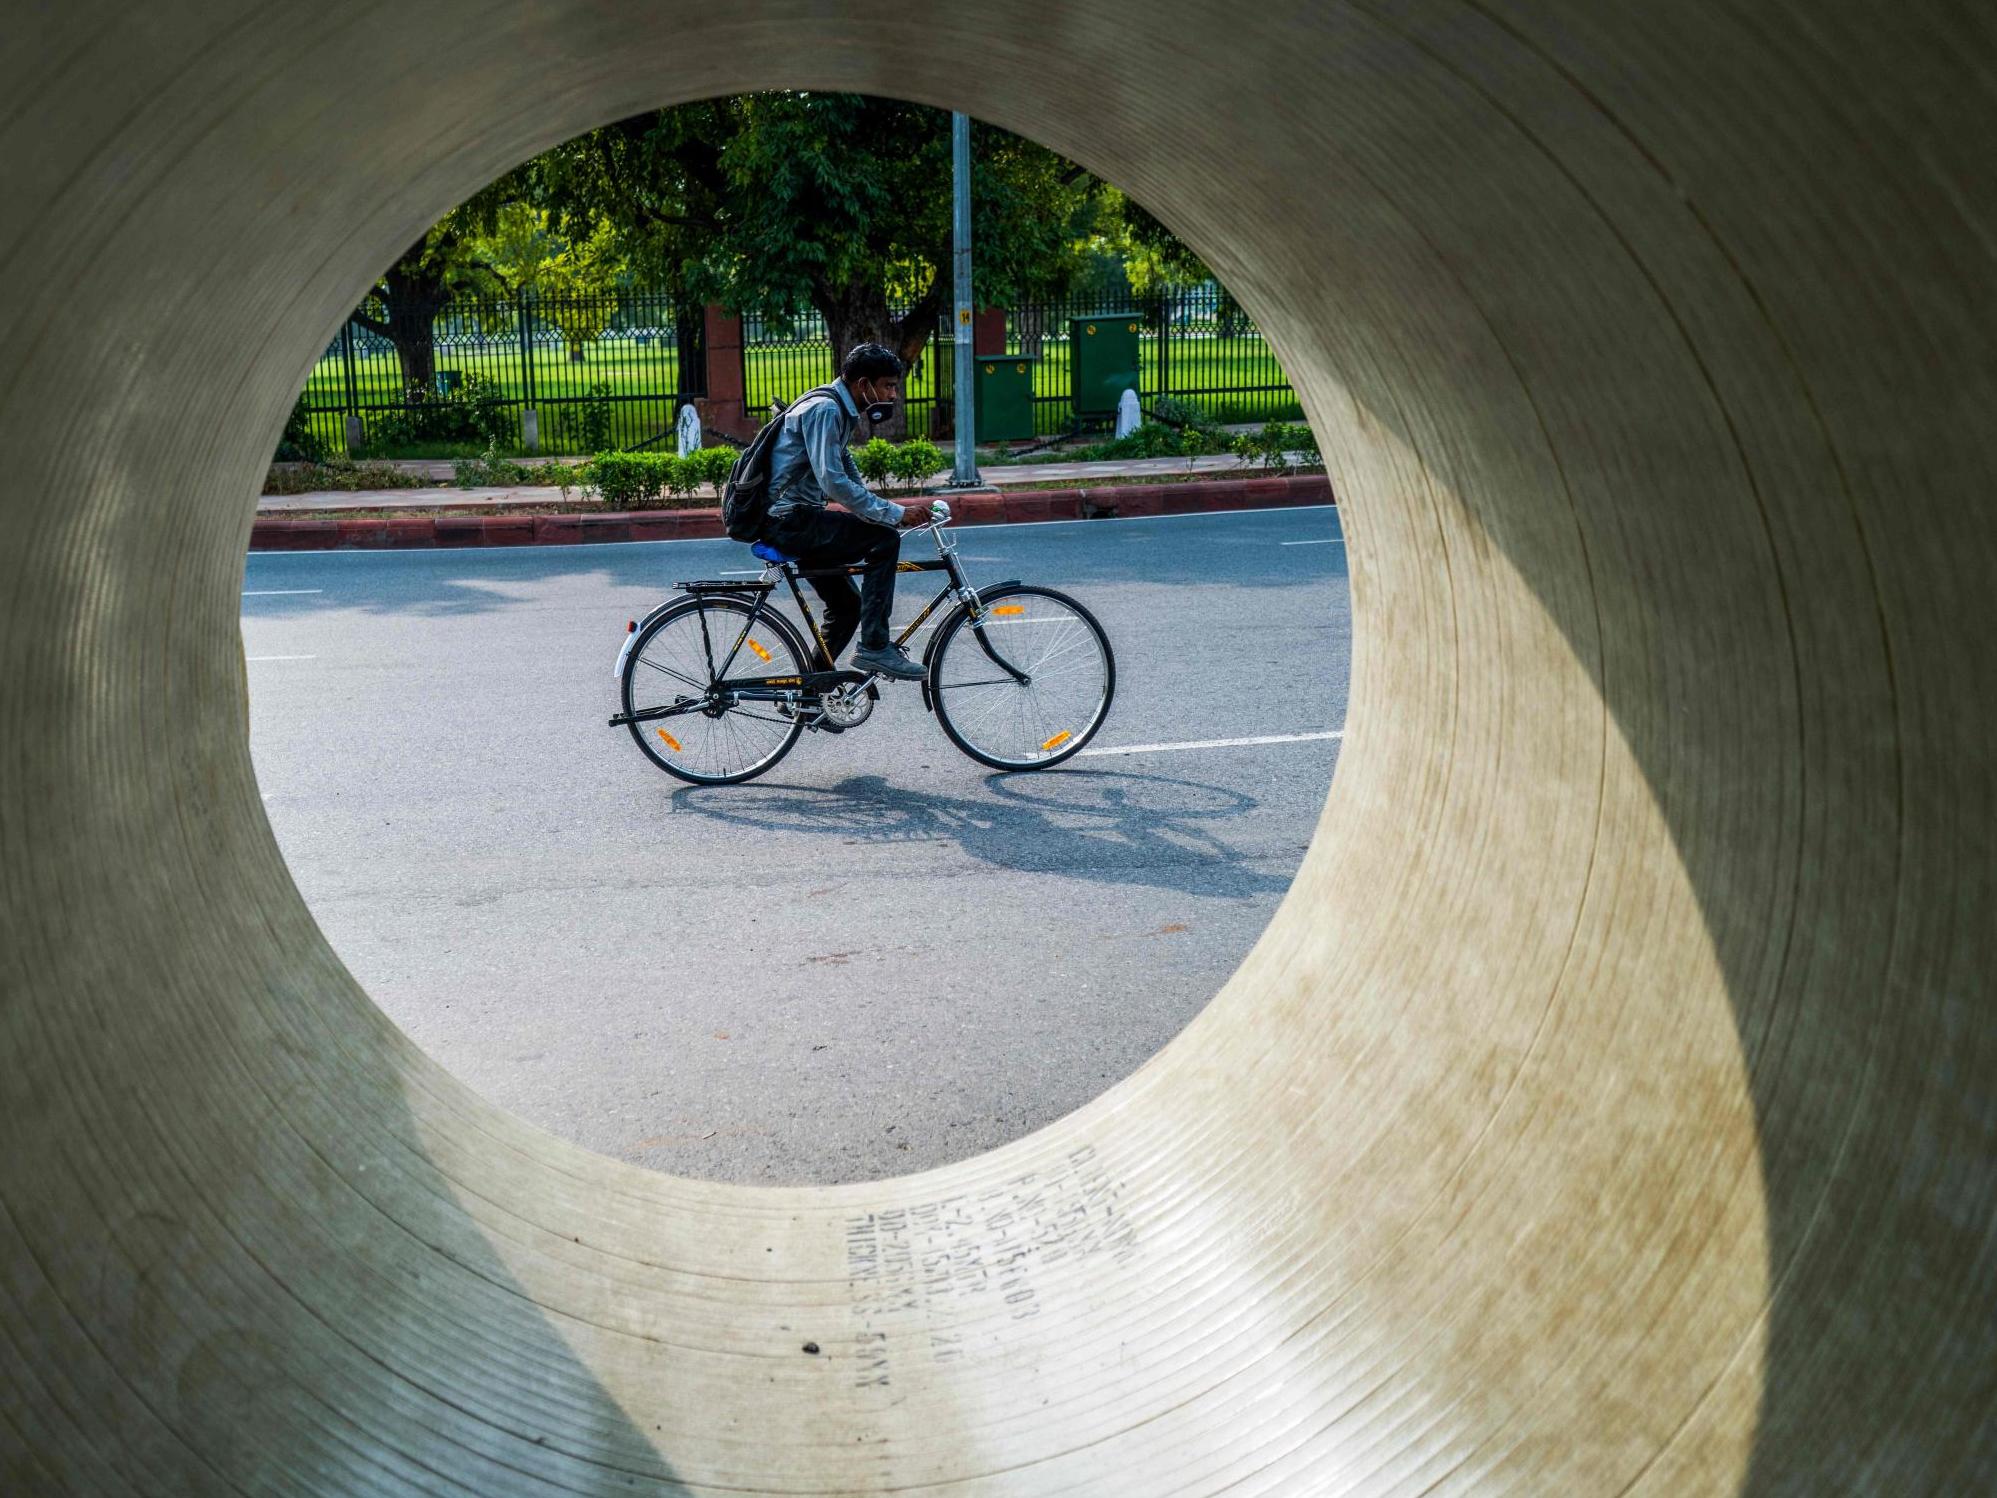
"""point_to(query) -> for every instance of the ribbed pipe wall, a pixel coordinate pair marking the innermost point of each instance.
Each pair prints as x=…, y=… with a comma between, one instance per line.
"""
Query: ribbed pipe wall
x=1610, y=1106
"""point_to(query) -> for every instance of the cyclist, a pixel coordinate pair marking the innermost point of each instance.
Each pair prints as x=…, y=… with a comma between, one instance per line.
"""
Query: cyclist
x=811, y=465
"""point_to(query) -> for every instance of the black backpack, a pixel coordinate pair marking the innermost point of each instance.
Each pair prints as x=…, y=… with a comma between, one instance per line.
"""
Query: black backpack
x=745, y=498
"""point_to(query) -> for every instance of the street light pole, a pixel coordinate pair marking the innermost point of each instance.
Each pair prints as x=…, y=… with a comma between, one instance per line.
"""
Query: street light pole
x=965, y=474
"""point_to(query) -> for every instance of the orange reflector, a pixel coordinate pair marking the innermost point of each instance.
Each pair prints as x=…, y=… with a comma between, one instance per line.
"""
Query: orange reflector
x=674, y=744
x=1058, y=740
x=1010, y=608
x=759, y=650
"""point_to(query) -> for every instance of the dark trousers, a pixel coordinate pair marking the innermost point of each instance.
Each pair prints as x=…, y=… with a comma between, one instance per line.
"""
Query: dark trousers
x=834, y=538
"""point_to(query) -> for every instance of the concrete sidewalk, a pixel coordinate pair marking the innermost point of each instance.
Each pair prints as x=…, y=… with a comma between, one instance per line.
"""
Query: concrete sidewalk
x=450, y=497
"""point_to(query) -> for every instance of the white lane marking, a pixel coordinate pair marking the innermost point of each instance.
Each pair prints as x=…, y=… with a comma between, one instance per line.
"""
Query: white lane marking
x=1266, y=738
x=1334, y=541
x=254, y=658
x=278, y=592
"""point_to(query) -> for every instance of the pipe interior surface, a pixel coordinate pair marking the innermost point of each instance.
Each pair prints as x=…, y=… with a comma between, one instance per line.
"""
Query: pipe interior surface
x=1608, y=1108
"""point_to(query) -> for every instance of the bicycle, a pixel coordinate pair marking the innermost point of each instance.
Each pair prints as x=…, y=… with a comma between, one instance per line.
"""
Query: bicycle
x=1030, y=695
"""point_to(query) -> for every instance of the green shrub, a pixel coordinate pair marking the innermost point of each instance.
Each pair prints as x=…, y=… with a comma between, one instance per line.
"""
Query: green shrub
x=630, y=481
x=1183, y=416
x=299, y=443
x=875, y=461
x=915, y=460
x=1272, y=446
x=883, y=463
x=474, y=412
x=475, y=473
x=625, y=481
x=683, y=477
x=489, y=470
x=716, y=464
x=1151, y=440
x=340, y=473
x=584, y=425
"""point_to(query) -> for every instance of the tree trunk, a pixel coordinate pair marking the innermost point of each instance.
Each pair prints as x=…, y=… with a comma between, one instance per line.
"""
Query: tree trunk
x=690, y=340
x=412, y=293
x=1032, y=329
x=859, y=314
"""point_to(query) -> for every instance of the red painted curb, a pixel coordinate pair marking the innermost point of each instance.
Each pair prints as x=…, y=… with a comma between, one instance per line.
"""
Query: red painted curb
x=1115, y=501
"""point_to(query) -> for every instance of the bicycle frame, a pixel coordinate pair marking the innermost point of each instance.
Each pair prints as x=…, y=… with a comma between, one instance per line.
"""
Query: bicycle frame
x=792, y=690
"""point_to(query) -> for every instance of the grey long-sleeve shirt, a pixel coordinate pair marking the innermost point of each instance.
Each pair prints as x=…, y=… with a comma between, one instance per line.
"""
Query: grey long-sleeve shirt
x=812, y=463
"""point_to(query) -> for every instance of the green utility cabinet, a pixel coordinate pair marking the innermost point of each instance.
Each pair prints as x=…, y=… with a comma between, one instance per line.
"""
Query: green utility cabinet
x=1103, y=361
x=1005, y=398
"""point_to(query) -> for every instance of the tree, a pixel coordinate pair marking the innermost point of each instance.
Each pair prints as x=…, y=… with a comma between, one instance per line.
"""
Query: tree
x=838, y=202
x=1155, y=259
x=446, y=262
x=573, y=282
x=843, y=203
x=404, y=304
x=654, y=182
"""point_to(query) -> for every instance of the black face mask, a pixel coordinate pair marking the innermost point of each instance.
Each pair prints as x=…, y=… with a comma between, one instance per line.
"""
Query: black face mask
x=878, y=411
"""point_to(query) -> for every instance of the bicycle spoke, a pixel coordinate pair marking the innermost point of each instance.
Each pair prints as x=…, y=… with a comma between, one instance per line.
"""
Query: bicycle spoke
x=675, y=675
x=707, y=741
x=1021, y=723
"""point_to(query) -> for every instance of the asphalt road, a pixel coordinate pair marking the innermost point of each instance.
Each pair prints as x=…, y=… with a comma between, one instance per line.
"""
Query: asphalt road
x=880, y=957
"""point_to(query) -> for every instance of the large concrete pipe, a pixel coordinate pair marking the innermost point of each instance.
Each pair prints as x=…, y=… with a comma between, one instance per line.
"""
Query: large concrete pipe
x=1611, y=1105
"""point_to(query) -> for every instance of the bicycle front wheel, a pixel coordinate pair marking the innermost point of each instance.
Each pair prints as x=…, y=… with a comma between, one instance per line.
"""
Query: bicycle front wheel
x=711, y=737
x=1026, y=686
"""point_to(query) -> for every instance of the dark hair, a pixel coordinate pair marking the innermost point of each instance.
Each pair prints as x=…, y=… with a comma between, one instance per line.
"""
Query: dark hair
x=869, y=361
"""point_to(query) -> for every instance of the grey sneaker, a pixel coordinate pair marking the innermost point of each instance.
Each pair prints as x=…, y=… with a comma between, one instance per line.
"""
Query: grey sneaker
x=890, y=661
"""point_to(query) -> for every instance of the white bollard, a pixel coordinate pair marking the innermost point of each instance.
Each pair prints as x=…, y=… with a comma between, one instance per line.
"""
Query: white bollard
x=1128, y=416
x=689, y=430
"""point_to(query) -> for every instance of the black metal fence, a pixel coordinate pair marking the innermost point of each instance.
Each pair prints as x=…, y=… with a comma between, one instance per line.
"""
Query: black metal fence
x=613, y=370
x=1197, y=348
x=598, y=371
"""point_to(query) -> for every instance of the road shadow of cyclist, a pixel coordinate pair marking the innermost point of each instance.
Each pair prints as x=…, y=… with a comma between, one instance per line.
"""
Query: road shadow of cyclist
x=1106, y=826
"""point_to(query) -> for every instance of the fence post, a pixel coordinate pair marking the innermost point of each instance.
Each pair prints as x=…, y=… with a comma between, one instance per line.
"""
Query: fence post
x=530, y=417
x=988, y=333
x=356, y=433
x=725, y=406
x=1165, y=345
x=942, y=413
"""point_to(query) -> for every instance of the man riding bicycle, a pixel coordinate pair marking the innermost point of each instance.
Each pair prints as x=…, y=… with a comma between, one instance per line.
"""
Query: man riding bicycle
x=812, y=464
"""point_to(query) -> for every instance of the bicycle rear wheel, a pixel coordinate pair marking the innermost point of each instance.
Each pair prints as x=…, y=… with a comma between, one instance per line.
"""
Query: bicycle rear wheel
x=1034, y=690
x=715, y=738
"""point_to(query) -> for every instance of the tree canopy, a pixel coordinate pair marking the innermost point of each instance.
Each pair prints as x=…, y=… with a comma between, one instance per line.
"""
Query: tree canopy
x=775, y=203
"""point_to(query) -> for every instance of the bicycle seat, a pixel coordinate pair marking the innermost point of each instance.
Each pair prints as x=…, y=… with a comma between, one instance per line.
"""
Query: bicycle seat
x=769, y=553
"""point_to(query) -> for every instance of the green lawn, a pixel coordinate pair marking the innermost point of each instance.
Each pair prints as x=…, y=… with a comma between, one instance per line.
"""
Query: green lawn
x=641, y=379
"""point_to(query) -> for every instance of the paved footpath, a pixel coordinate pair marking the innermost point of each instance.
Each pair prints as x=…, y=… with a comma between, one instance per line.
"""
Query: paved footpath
x=879, y=958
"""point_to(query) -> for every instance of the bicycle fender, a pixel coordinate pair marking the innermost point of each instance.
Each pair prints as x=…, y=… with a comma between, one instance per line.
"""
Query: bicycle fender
x=631, y=638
